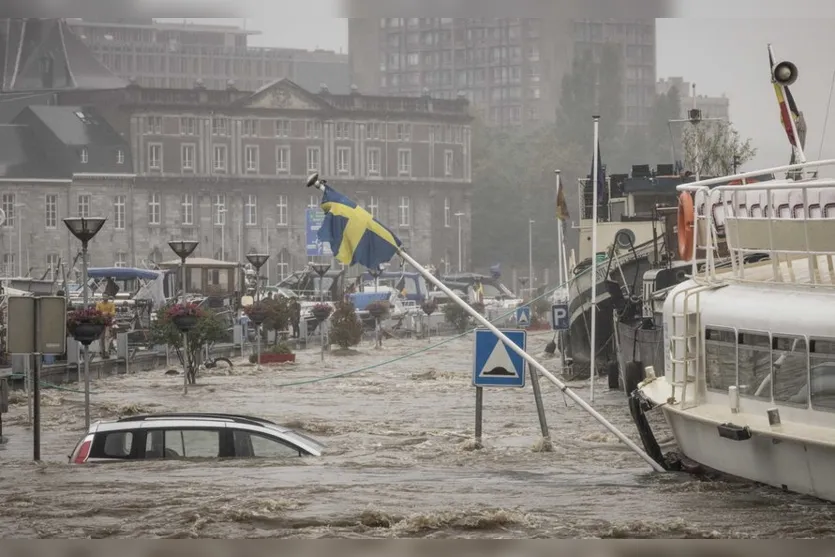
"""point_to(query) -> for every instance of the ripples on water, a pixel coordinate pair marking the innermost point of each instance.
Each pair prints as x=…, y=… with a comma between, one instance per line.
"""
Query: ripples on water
x=399, y=462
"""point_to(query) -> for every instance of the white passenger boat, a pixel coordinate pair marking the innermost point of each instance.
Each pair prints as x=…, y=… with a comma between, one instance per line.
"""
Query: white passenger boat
x=749, y=381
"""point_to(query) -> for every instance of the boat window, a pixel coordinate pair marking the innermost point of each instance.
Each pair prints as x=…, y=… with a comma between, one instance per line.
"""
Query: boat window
x=195, y=279
x=822, y=362
x=218, y=281
x=720, y=358
x=790, y=363
x=753, y=364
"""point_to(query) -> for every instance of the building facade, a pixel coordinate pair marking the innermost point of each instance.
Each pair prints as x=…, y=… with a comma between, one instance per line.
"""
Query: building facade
x=711, y=107
x=176, y=56
x=227, y=168
x=510, y=69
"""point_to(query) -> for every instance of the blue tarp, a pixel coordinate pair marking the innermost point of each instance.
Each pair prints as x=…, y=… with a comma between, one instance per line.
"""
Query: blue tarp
x=122, y=273
x=362, y=299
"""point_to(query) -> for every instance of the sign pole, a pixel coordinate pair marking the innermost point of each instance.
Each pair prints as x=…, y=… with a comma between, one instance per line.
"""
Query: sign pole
x=479, y=403
x=540, y=410
x=36, y=414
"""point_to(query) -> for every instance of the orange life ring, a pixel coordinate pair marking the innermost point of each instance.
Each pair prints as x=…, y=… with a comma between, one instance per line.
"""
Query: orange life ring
x=685, y=226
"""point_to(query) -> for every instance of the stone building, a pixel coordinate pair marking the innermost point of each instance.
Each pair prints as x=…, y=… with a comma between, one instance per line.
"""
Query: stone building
x=227, y=168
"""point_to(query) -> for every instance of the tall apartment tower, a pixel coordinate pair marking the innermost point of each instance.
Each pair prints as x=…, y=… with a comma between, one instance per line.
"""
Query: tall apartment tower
x=510, y=69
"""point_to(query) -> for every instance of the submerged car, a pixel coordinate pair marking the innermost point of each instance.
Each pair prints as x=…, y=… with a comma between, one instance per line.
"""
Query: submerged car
x=190, y=435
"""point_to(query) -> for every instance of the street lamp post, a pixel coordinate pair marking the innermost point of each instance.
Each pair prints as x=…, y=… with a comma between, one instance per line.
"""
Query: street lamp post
x=460, y=259
x=320, y=269
x=19, y=234
x=222, y=212
x=184, y=248
x=258, y=260
x=85, y=229
x=530, y=254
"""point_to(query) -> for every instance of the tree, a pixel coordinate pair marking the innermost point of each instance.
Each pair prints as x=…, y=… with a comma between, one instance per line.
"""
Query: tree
x=578, y=102
x=665, y=108
x=346, y=327
x=610, y=104
x=710, y=148
x=209, y=329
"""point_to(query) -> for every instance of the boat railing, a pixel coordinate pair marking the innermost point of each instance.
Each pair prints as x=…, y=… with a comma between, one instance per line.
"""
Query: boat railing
x=791, y=221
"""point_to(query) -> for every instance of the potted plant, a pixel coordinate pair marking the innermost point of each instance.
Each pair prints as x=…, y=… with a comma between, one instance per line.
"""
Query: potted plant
x=429, y=306
x=257, y=312
x=87, y=325
x=278, y=354
x=321, y=311
x=478, y=306
x=184, y=316
x=378, y=309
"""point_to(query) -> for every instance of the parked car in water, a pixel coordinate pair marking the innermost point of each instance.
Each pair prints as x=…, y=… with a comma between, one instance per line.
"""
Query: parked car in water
x=190, y=435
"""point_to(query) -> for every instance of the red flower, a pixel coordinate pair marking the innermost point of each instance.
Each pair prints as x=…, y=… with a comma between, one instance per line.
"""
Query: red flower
x=184, y=310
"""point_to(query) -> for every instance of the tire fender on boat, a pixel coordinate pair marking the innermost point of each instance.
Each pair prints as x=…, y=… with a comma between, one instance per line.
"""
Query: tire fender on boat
x=686, y=221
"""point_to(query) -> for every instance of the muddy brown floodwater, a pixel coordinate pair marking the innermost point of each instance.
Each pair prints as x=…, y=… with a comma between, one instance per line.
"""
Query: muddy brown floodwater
x=399, y=463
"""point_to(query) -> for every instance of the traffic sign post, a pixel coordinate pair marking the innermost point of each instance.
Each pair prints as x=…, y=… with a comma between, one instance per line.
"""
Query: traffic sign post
x=559, y=317
x=523, y=317
x=495, y=365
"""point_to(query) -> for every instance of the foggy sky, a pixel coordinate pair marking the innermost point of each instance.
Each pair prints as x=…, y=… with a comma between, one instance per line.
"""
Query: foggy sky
x=720, y=55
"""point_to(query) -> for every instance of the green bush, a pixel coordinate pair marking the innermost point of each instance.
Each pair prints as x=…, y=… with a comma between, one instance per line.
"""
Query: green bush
x=346, y=327
x=456, y=316
x=209, y=329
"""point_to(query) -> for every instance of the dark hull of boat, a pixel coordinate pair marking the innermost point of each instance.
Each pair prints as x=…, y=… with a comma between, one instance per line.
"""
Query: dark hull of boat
x=641, y=341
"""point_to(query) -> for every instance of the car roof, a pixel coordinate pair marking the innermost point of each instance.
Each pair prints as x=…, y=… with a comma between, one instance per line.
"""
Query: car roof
x=202, y=419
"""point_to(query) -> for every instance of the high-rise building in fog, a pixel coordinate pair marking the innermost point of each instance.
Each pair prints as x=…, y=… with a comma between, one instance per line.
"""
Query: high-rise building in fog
x=176, y=55
x=510, y=69
x=711, y=107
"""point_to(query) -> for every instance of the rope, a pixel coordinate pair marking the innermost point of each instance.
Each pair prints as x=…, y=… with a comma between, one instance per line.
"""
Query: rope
x=428, y=348
x=52, y=385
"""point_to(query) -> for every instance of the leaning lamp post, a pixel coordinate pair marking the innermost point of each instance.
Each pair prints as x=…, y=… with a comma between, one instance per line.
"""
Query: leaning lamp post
x=85, y=229
x=321, y=269
x=258, y=260
x=184, y=248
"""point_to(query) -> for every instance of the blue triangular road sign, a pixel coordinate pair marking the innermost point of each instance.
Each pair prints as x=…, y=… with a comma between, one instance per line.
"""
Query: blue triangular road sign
x=496, y=365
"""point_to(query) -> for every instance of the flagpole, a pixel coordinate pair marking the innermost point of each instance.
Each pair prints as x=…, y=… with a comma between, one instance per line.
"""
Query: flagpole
x=524, y=355
x=593, y=333
x=801, y=156
x=560, y=269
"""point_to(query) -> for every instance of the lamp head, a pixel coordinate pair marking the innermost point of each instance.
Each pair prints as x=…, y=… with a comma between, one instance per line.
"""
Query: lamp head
x=257, y=260
x=183, y=248
x=84, y=228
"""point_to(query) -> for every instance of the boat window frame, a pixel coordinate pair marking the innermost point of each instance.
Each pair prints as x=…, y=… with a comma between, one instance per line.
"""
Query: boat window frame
x=739, y=334
x=807, y=340
x=810, y=340
x=704, y=339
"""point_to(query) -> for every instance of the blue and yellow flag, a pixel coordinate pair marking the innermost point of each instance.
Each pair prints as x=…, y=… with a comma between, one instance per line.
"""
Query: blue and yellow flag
x=353, y=234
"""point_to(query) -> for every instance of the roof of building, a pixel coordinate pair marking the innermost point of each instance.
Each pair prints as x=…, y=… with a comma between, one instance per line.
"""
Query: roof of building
x=44, y=54
x=46, y=142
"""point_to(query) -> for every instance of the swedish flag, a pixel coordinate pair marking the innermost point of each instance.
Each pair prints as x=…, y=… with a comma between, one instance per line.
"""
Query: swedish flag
x=354, y=235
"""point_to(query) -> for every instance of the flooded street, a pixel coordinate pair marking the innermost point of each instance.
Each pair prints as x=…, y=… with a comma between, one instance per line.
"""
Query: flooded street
x=399, y=462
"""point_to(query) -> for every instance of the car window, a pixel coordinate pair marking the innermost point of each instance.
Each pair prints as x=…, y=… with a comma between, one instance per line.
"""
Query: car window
x=249, y=444
x=117, y=444
x=183, y=443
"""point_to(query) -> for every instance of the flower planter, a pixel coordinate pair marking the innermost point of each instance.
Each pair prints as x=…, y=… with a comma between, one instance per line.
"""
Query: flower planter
x=320, y=314
x=377, y=311
x=86, y=333
x=428, y=308
x=258, y=317
x=277, y=358
x=185, y=322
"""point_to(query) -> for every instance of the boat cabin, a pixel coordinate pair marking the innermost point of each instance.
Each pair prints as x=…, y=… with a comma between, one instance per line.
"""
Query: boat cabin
x=306, y=284
x=410, y=285
x=219, y=281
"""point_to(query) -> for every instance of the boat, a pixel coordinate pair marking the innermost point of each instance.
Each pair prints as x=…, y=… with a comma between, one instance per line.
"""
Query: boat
x=748, y=386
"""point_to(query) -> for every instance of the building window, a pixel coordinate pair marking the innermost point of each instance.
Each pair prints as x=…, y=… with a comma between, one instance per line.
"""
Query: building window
x=52, y=265
x=155, y=156
x=282, y=160
x=220, y=209
x=447, y=212
x=187, y=209
x=121, y=259
x=374, y=206
x=219, y=160
x=313, y=159
x=251, y=210
x=9, y=210
x=250, y=128
x=343, y=130
x=313, y=203
x=312, y=129
x=8, y=264
x=343, y=160
x=283, y=265
x=187, y=152
x=373, y=161
x=282, y=128
x=404, y=132
x=404, y=162
x=119, y=212
x=51, y=211
x=373, y=130
x=281, y=218
x=220, y=126
x=154, y=209
x=403, y=212
x=84, y=205
x=155, y=125
x=84, y=155
x=120, y=156
x=251, y=158
x=187, y=126
x=448, y=160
